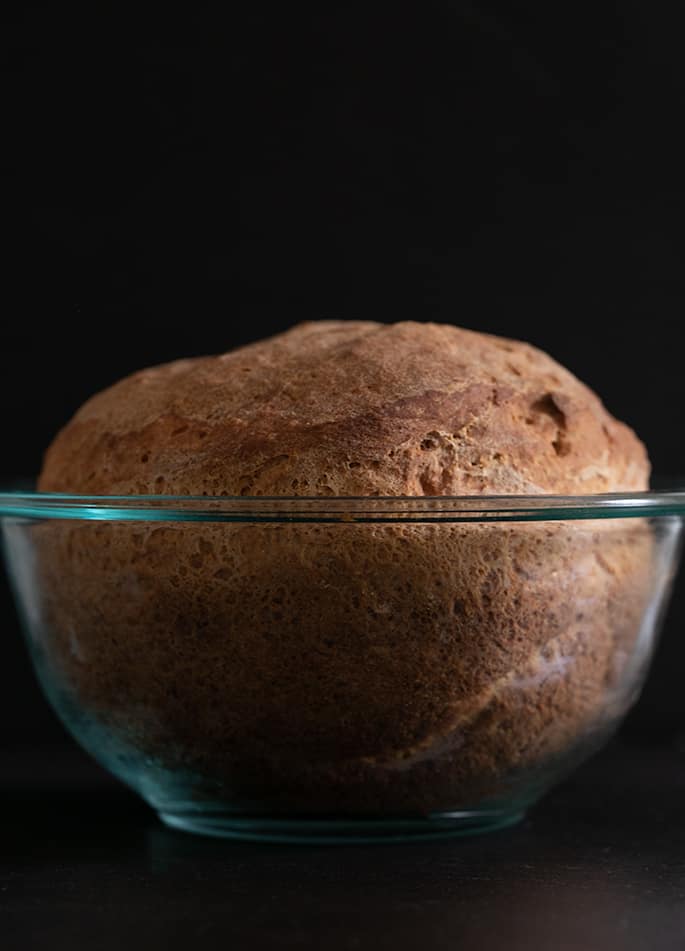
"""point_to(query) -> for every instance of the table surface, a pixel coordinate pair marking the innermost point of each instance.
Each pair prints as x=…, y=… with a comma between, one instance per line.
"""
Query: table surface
x=599, y=864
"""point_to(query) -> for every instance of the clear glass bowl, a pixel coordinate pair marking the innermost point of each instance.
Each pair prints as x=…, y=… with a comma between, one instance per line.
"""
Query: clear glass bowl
x=341, y=669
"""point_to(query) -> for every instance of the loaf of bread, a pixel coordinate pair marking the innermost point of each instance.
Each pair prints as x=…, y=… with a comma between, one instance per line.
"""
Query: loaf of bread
x=349, y=667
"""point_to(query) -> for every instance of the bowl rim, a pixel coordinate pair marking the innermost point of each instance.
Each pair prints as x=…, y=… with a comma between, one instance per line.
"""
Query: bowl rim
x=344, y=509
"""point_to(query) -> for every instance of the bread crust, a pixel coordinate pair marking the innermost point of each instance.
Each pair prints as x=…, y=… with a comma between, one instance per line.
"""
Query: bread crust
x=350, y=409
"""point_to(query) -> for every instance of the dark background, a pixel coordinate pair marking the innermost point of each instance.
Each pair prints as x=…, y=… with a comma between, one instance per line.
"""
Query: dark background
x=179, y=186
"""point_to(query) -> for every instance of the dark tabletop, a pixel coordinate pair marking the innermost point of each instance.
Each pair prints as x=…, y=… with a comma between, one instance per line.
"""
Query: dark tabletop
x=599, y=864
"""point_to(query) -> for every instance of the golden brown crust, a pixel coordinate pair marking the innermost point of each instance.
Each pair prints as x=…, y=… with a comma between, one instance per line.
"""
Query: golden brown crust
x=350, y=408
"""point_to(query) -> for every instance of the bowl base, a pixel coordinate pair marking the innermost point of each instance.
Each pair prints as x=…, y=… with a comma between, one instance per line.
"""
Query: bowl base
x=302, y=831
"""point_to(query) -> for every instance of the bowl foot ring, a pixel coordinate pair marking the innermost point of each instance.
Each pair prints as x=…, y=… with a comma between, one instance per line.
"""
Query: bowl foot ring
x=303, y=831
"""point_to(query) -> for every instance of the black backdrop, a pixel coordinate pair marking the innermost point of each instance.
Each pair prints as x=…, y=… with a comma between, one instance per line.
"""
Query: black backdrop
x=178, y=185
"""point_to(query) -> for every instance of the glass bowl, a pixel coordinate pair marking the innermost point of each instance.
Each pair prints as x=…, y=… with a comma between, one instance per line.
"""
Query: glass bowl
x=336, y=669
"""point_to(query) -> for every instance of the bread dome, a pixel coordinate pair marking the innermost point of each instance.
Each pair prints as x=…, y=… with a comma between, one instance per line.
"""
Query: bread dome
x=350, y=408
